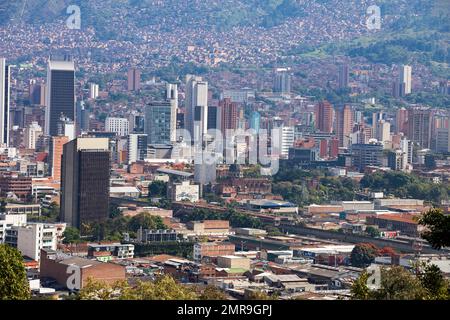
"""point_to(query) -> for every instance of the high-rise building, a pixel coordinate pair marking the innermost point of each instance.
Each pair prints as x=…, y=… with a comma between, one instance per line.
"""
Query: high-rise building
x=60, y=94
x=196, y=115
x=93, y=91
x=364, y=155
x=119, y=126
x=255, y=121
x=324, y=117
x=85, y=181
x=55, y=156
x=401, y=121
x=37, y=92
x=405, y=78
x=282, y=81
x=160, y=122
x=383, y=132
x=344, y=125
x=134, y=79
x=5, y=80
x=32, y=133
x=66, y=127
x=419, y=126
x=287, y=136
x=214, y=117
x=137, y=147
x=343, y=76
x=229, y=115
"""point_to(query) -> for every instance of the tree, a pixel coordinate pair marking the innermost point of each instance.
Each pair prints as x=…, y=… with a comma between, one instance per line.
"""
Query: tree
x=372, y=231
x=399, y=284
x=157, y=189
x=359, y=289
x=146, y=221
x=432, y=279
x=13, y=277
x=164, y=288
x=212, y=293
x=438, y=228
x=71, y=235
x=363, y=254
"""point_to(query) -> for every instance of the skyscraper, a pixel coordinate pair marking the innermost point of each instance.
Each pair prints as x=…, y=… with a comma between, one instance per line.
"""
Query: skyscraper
x=85, y=181
x=324, y=117
x=160, y=122
x=55, y=156
x=401, y=120
x=255, y=121
x=282, y=81
x=60, y=94
x=229, y=115
x=134, y=79
x=419, y=126
x=120, y=126
x=344, y=125
x=343, y=76
x=405, y=78
x=137, y=147
x=5, y=79
x=196, y=105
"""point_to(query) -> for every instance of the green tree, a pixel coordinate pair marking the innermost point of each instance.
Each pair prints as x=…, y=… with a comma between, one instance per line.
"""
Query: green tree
x=372, y=231
x=432, y=279
x=363, y=254
x=438, y=228
x=212, y=293
x=399, y=284
x=157, y=189
x=146, y=221
x=71, y=235
x=13, y=277
x=359, y=289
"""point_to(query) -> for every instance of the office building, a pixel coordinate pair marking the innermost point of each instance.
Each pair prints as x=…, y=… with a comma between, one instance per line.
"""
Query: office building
x=85, y=181
x=60, y=94
x=55, y=156
x=5, y=88
x=287, y=140
x=32, y=133
x=324, y=117
x=364, y=155
x=344, y=125
x=196, y=101
x=255, y=121
x=343, y=76
x=36, y=236
x=405, y=79
x=137, y=147
x=36, y=93
x=419, y=126
x=119, y=126
x=401, y=121
x=134, y=79
x=93, y=91
x=160, y=122
x=229, y=115
x=282, y=81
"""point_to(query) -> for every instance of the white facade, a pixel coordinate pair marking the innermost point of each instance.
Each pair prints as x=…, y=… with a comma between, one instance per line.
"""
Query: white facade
x=93, y=91
x=120, y=126
x=32, y=134
x=383, y=131
x=196, y=97
x=287, y=140
x=406, y=78
x=34, y=237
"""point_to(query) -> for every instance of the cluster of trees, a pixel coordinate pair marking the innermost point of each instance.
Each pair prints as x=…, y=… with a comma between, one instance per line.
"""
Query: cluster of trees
x=363, y=254
x=405, y=185
x=174, y=248
x=292, y=185
x=113, y=228
x=237, y=220
x=397, y=283
x=13, y=277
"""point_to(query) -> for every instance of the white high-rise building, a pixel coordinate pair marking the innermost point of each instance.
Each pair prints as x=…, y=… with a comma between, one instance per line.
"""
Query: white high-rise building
x=34, y=237
x=383, y=131
x=196, y=116
x=405, y=78
x=5, y=84
x=32, y=134
x=93, y=91
x=137, y=147
x=287, y=136
x=120, y=126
